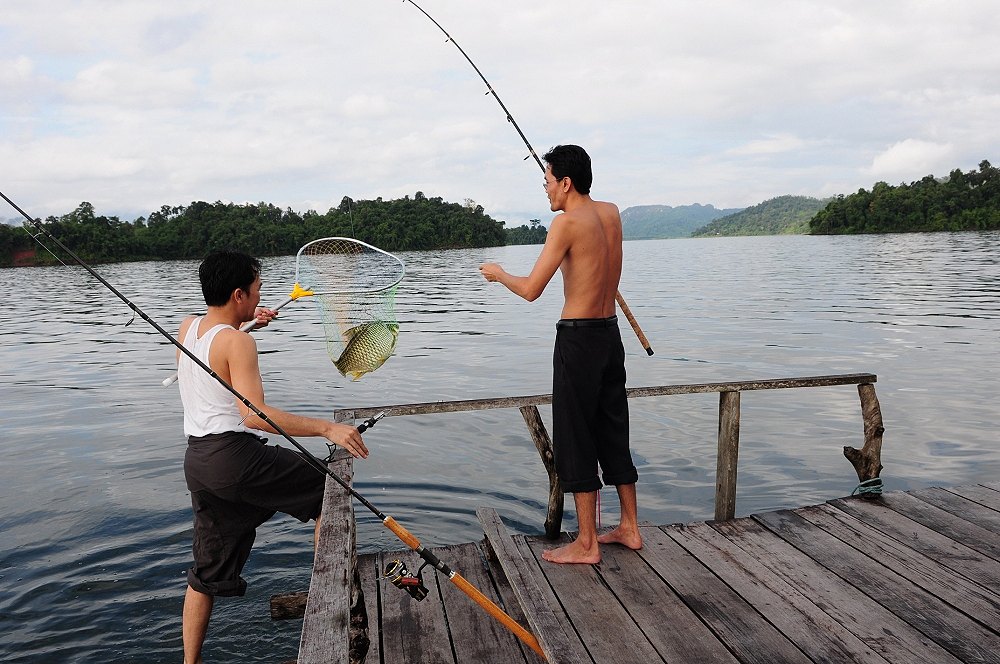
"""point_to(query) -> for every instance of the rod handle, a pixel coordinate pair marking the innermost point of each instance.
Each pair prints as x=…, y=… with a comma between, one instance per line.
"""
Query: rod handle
x=631, y=321
x=404, y=535
x=482, y=600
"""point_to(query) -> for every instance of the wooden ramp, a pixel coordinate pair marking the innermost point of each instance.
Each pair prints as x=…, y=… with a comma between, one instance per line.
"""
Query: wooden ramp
x=908, y=577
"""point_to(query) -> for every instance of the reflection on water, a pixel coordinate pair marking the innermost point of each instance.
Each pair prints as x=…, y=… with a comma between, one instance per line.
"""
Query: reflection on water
x=94, y=514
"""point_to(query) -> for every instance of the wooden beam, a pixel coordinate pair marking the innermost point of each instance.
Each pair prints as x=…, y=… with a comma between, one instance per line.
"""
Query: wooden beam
x=729, y=451
x=867, y=461
x=554, y=514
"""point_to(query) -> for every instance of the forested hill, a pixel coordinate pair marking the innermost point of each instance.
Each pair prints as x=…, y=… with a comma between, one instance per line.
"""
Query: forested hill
x=649, y=222
x=961, y=202
x=777, y=216
x=260, y=229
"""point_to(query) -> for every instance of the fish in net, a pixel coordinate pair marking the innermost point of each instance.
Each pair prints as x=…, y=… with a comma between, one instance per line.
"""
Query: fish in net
x=354, y=288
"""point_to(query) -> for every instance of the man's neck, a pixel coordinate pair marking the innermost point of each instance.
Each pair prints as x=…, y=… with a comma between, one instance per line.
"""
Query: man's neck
x=226, y=315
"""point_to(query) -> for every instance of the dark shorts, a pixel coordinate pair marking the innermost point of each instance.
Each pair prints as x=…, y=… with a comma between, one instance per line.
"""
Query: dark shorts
x=237, y=483
x=589, y=406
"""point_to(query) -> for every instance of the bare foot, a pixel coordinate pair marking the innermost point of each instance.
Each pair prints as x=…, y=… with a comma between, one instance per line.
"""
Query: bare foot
x=574, y=552
x=626, y=537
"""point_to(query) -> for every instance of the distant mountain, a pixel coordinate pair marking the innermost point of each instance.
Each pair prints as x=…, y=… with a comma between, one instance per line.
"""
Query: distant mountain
x=649, y=222
x=778, y=216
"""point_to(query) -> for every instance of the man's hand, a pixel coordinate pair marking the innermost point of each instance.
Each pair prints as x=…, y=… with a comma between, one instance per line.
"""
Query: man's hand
x=491, y=271
x=347, y=436
x=263, y=316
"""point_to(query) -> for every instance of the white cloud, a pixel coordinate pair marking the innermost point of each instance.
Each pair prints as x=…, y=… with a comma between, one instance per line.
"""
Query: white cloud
x=134, y=105
x=911, y=159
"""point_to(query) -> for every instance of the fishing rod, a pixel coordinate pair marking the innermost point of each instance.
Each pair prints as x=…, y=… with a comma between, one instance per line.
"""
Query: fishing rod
x=402, y=533
x=510, y=118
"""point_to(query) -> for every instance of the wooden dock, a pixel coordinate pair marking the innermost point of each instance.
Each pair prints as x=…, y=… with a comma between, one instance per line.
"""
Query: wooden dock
x=901, y=577
x=910, y=577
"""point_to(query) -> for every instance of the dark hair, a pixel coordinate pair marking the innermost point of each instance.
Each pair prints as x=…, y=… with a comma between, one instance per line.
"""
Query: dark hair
x=222, y=272
x=573, y=162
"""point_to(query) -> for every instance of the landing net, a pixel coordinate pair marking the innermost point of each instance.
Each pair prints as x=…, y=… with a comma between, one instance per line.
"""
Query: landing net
x=354, y=288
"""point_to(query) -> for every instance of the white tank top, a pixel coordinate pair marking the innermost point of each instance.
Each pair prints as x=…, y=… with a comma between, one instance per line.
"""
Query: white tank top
x=208, y=406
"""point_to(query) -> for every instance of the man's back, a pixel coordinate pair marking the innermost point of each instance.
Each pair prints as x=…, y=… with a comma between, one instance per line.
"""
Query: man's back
x=592, y=265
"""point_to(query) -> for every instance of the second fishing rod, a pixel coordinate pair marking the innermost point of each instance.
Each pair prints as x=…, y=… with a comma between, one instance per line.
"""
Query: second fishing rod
x=397, y=529
x=510, y=118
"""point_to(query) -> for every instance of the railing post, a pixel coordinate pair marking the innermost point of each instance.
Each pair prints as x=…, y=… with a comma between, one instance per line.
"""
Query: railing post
x=554, y=515
x=729, y=448
x=867, y=461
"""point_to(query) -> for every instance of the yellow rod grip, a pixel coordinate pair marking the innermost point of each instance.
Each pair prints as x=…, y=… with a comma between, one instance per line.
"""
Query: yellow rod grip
x=404, y=535
x=633, y=323
x=498, y=613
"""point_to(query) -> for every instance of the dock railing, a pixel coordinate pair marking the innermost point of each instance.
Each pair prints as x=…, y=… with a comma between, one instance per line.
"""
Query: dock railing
x=335, y=625
x=866, y=461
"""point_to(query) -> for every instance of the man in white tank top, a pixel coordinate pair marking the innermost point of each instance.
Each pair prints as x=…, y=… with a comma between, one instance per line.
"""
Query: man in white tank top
x=236, y=481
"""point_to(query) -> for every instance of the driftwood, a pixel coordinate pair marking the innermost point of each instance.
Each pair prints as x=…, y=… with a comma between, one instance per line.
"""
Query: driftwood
x=553, y=518
x=867, y=461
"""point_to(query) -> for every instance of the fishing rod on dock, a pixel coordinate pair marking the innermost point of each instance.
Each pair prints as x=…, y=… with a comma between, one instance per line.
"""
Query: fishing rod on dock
x=510, y=118
x=402, y=533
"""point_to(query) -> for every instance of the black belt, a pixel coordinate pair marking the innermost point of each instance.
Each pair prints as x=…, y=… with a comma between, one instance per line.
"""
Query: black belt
x=588, y=322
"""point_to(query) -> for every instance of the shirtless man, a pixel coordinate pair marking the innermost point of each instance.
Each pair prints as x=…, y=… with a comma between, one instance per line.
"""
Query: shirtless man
x=236, y=482
x=589, y=406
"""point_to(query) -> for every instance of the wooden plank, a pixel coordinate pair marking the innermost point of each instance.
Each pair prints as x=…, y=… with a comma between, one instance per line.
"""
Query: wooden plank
x=950, y=628
x=737, y=624
x=413, y=631
x=509, y=600
x=942, y=582
x=881, y=630
x=980, y=494
x=966, y=561
x=604, y=625
x=814, y=632
x=970, y=511
x=975, y=537
x=728, y=454
x=344, y=414
x=546, y=619
x=372, y=588
x=654, y=606
x=325, y=628
x=475, y=635
x=991, y=485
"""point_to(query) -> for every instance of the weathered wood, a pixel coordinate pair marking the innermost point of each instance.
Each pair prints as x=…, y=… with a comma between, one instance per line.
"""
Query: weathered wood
x=729, y=450
x=938, y=580
x=967, y=509
x=474, y=638
x=966, y=561
x=980, y=494
x=413, y=631
x=867, y=461
x=942, y=521
x=632, y=392
x=737, y=624
x=288, y=606
x=535, y=598
x=372, y=587
x=604, y=625
x=326, y=633
x=884, y=632
x=554, y=513
x=812, y=630
x=950, y=628
x=676, y=633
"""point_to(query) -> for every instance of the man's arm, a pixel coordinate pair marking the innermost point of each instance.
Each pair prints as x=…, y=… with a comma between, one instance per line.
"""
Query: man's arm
x=241, y=354
x=553, y=253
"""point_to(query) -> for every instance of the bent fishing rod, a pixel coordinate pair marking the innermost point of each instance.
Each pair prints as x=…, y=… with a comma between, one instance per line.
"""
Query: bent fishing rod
x=510, y=118
x=402, y=533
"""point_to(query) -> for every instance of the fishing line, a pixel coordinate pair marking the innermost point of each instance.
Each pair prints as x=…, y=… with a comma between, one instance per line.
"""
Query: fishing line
x=510, y=118
x=402, y=533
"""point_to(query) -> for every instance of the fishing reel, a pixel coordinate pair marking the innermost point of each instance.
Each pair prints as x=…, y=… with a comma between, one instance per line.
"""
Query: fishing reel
x=400, y=577
x=364, y=426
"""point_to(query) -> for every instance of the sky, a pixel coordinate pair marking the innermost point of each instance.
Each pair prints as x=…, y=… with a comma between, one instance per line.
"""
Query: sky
x=132, y=105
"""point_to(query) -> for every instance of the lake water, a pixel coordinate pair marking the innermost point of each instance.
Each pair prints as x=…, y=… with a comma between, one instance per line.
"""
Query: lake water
x=94, y=514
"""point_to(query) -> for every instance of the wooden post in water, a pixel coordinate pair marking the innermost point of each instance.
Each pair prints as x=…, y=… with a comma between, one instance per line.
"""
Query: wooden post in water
x=729, y=449
x=554, y=515
x=868, y=460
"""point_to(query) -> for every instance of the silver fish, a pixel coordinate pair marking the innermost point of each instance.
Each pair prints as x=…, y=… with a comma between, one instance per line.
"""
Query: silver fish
x=367, y=347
